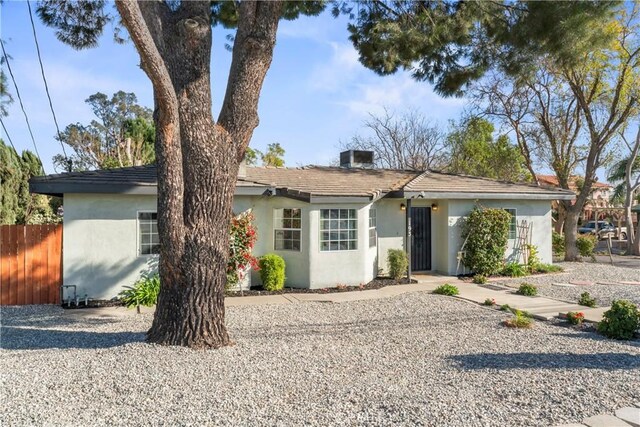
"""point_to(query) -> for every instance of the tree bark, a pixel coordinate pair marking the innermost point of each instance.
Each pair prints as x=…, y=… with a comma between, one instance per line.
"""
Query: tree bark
x=571, y=232
x=197, y=159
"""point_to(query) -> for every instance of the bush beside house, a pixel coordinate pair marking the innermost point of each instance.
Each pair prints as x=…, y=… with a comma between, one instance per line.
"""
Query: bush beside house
x=486, y=232
x=272, y=269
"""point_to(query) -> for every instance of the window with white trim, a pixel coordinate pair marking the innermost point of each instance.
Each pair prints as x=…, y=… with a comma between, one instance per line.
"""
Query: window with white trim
x=338, y=230
x=287, y=229
x=513, y=224
x=148, y=239
x=373, y=233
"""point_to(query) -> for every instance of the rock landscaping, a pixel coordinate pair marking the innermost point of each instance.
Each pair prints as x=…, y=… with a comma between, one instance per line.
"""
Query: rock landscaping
x=605, y=283
x=413, y=359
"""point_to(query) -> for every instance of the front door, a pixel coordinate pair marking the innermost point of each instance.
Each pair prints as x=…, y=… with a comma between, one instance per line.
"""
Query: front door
x=420, y=239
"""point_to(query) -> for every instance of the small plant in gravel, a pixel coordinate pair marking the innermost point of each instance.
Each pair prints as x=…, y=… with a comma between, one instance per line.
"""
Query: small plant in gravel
x=446, y=289
x=557, y=243
x=398, y=263
x=479, y=279
x=527, y=289
x=621, y=321
x=547, y=268
x=587, y=300
x=575, y=317
x=505, y=307
x=586, y=245
x=513, y=269
x=520, y=320
x=272, y=268
x=144, y=292
x=490, y=302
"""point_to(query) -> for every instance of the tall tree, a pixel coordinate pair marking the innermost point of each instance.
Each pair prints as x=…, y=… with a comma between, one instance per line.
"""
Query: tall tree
x=627, y=172
x=122, y=135
x=606, y=87
x=173, y=39
x=17, y=204
x=568, y=115
x=475, y=152
x=174, y=43
x=451, y=44
x=274, y=156
x=408, y=141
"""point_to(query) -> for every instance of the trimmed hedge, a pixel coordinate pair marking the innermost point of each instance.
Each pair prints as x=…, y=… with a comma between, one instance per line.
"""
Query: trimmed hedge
x=272, y=268
x=398, y=263
x=486, y=232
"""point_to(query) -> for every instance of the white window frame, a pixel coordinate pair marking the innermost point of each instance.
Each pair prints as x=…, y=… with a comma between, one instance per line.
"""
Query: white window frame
x=338, y=230
x=373, y=242
x=278, y=216
x=515, y=220
x=138, y=231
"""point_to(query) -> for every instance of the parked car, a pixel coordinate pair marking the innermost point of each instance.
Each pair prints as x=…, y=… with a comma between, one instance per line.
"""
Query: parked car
x=605, y=229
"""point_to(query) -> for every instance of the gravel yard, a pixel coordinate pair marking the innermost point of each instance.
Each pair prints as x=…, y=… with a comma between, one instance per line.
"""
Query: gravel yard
x=415, y=359
x=590, y=272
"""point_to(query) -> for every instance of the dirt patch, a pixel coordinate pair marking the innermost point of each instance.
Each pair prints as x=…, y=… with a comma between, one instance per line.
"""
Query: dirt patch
x=377, y=283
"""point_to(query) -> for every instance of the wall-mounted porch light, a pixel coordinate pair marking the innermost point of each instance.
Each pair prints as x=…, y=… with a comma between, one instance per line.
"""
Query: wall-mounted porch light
x=434, y=207
x=403, y=207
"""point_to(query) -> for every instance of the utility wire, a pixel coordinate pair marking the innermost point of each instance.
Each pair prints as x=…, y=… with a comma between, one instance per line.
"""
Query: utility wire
x=26, y=118
x=8, y=137
x=46, y=87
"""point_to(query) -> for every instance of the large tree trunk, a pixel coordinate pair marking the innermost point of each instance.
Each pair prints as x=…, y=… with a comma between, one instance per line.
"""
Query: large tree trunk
x=562, y=214
x=197, y=159
x=571, y=233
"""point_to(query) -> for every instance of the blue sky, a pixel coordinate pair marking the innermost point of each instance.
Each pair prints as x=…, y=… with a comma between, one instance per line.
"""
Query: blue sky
x=315, y=94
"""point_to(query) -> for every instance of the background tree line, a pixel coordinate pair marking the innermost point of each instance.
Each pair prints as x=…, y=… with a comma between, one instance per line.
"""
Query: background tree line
x=469, y=147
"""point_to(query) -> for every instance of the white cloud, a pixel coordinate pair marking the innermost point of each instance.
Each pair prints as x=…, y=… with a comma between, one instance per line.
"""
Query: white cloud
x=341, y=69
x=399, y=92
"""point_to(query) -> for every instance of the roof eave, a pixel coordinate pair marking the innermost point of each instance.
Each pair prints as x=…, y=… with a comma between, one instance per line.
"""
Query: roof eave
x=486, y=195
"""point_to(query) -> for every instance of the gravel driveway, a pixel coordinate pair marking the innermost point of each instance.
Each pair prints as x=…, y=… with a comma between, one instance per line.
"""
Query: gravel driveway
x=590, y=272
x=415, y=359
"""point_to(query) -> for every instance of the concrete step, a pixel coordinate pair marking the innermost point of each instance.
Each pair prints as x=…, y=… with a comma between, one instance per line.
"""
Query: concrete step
x=629, y=415
x=605, y=421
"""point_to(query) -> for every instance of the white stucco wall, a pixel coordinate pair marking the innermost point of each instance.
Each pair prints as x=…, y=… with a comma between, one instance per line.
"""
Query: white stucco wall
x=100, y=247
x=100, y=252
x=536, y=212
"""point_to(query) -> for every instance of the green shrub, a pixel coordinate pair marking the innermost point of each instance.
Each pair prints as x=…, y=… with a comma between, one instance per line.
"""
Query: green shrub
x=586, y=245
x=519, y=320
x=547, y=268
x=272, y=272
x=446, y=289
x=398, y=263
x=533, y=261
x=587, y=300
x=489, y=302
x=513, y=269
x=527, y=289
x=479, y=279
x=557, y=243
x=144, y=292
x=486, y=232
x=505, y=307
x=575, y=317
x=621, y=321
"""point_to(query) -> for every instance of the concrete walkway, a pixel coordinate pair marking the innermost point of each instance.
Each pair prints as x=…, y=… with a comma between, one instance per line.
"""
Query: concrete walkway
x=624, y=417
x=541, y=308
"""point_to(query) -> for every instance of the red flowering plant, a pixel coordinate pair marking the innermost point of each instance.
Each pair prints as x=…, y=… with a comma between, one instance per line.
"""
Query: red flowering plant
x=575, y=317
x=242, y=238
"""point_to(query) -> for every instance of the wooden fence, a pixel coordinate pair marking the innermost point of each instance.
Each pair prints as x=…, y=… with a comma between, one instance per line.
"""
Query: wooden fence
x=30, y=264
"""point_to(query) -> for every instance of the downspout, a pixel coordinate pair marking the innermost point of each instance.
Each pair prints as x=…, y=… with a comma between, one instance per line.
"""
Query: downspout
x=408, y=238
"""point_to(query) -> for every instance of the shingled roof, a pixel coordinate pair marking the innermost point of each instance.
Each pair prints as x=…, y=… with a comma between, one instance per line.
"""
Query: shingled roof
x=308, y=183
x=444, y=185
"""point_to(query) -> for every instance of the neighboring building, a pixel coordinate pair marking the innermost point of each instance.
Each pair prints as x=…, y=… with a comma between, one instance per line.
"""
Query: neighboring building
x=332, y=225
x=600, y=197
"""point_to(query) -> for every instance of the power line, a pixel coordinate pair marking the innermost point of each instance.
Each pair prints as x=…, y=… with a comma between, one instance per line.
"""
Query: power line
x=7, y=133
x=26, y=118
x=46, y=87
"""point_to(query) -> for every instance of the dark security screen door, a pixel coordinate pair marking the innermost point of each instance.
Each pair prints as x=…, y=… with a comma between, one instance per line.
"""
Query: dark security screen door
x=420, y=239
